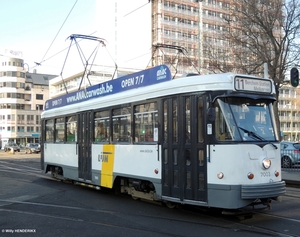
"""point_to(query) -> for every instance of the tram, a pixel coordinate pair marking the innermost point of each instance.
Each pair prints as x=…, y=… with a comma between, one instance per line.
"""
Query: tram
x=203, y=140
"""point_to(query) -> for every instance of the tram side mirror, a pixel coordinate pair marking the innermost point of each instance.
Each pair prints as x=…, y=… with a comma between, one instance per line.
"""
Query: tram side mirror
x=211, y=114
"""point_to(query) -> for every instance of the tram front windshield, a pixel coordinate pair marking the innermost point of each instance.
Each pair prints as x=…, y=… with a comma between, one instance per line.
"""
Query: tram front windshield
x=244, y=119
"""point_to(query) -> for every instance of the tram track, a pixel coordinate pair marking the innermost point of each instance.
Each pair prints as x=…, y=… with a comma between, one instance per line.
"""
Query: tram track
x=6, y=166
x=203, y=218
x=199, y=218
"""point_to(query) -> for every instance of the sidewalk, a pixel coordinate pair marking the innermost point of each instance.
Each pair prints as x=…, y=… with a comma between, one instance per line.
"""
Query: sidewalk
x=291, y=177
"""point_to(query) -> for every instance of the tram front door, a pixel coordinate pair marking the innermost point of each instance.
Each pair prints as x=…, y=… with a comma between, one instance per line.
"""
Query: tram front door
x=184, y=164
x=84, y=146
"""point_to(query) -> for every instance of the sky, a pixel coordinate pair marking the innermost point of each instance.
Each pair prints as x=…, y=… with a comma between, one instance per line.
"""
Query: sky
x=40, y=30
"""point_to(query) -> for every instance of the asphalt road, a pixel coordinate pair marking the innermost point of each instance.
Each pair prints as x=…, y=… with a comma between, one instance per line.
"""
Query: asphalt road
x=33, y=204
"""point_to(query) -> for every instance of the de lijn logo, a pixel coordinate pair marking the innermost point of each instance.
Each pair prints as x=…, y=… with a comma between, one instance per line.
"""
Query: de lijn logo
x=161, y=73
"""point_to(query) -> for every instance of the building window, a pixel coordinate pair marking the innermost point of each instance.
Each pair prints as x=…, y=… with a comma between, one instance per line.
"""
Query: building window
x=21, y=118
x=39, y=96
x=30, y=119
x=30, y=129
x=20, y=129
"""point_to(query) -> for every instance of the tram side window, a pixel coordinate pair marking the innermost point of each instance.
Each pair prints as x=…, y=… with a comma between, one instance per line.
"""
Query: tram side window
x=175, y=120
x=101, y=122
x=121, y=119
x=165, y=121
x=200, y=119
x=72, y=129
x=49, y=131
x=59, y=130
x=187, y=120
x=146, y=122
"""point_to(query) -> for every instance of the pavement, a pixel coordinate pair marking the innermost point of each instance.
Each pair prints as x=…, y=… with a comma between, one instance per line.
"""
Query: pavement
x=290, y=176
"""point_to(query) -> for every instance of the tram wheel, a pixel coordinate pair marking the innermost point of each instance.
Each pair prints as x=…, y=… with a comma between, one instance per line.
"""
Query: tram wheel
x=170, y=205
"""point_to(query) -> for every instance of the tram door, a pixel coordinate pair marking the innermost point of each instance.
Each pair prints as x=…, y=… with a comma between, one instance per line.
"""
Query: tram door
x=184, y=165
x=84, y=146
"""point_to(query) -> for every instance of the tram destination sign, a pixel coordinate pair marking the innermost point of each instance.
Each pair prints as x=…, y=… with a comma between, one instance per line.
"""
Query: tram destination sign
x=143, y=78
x=253, y=84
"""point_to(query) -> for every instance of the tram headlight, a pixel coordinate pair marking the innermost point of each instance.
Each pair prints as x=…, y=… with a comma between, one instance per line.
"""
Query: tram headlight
x=276, y=173
x=266, y=163
x=220, y=175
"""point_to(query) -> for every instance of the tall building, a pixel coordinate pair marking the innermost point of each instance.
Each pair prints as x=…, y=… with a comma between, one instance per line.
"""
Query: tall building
x=22, y=97
x=175, y=24
x=191, y=24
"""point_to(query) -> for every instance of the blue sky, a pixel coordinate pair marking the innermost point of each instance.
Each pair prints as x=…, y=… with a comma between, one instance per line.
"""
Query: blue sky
x=30, y=26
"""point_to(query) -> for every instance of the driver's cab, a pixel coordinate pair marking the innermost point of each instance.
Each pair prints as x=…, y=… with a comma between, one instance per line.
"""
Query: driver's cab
x=244, y=119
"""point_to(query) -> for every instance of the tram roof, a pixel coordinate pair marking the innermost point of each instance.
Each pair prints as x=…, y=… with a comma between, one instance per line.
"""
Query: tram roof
x=196, y=83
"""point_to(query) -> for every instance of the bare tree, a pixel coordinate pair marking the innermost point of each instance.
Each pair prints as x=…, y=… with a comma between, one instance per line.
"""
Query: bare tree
x=258, y=32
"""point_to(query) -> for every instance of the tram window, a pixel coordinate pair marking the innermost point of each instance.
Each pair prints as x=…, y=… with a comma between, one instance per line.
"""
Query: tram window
x=201, y=181
x=146, y=122
x=200, y=119
x=166, y=178
x=165, y=156
x=165, y=121
x=121, y=124
x=200, y=158
x=102, y=131
x=49, y=131
x=71, y=129
x=188, y=157
x=175, y=120
x=175, y=157
x=175, y=178
x=188, y=179
x=59, y=130
x=188, y=120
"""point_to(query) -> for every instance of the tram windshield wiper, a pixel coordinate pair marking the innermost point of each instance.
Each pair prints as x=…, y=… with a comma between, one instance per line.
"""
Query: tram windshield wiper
x=256, y=136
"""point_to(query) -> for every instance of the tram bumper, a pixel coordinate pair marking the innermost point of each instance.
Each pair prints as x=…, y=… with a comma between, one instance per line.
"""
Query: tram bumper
x=239, y=196
x=262, y=191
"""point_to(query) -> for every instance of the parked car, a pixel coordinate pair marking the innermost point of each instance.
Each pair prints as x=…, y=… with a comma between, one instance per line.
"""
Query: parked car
x=290, y=154
x=11, y=145
x=32, y=148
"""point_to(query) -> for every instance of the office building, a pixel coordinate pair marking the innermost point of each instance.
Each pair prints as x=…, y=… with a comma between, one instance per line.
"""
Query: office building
x=22, y=98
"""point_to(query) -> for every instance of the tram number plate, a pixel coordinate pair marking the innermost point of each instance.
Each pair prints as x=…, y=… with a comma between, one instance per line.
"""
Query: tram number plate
x=265, y=174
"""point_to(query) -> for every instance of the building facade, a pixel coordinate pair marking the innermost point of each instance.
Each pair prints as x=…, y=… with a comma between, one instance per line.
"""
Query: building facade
x=289, y=113
x=22, y=97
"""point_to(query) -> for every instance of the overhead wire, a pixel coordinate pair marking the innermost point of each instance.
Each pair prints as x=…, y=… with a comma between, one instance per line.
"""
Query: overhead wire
x=43, y=59
x=38, y=64
x=136, y=9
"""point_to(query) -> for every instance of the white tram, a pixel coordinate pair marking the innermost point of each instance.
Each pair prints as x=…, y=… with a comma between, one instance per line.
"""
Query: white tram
x=206, y=140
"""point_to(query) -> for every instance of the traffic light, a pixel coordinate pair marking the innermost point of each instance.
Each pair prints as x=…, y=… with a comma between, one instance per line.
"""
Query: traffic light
x=294, y=77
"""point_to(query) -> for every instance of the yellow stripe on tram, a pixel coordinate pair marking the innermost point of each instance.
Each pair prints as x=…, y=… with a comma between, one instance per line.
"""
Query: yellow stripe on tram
x=107, y=158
